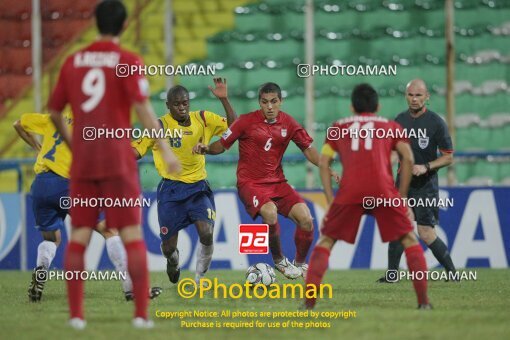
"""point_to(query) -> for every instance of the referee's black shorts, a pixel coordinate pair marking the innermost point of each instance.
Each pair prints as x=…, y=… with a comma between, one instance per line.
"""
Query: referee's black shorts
x=426, y=191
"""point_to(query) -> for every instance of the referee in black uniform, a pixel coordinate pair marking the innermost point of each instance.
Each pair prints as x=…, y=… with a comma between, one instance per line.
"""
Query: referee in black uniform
x=424, y=183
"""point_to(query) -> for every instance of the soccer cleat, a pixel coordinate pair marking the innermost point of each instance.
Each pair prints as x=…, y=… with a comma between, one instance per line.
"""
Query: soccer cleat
x=172, y=268
x=384, y=280
x=141, y=323
x=77, y=323
x=39, y=276
x=153, y=293
x=425, y=306
x=288, y=270
x=302, y=266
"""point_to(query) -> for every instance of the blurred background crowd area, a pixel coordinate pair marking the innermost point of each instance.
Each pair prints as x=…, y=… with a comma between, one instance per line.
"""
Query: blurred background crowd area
x=252, y=42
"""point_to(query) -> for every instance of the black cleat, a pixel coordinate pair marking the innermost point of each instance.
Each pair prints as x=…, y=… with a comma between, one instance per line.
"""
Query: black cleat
x=173, y=271
x=384, y=280
x=425, y=306
x=39, y=277
x=172, y=267
x=153, y=293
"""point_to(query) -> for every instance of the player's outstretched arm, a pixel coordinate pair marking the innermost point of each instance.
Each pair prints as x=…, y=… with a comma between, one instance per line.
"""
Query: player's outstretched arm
x=220, y=91
x=325, y=174
x=58, y=120
x=213, y=149
x=26, y=136
x=149, y=121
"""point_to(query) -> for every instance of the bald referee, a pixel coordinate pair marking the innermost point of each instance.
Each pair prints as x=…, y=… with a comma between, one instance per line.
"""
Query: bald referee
x=424, y=184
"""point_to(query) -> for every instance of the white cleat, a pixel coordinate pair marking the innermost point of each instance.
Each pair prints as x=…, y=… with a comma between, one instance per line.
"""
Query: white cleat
x=288, y=270
x=303, y=267
x=78, y=323
x=141, y=323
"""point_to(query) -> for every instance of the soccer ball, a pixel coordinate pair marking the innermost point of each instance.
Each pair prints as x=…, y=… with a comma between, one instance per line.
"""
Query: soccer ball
x=261, y=273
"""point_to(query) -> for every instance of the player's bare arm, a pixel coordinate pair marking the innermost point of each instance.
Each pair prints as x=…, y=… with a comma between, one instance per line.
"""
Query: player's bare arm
x=313, y=157
x=58, y=120
x=406, y=166
x=220, y=91
x=446, y=159
x=212, y=149
x=27, y=136
x=149, y=121
x=325, y=174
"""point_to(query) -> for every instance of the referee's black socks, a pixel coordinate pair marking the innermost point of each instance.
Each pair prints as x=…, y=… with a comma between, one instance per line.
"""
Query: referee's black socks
x=395, y=251
x=442, y=254
x=439, y=249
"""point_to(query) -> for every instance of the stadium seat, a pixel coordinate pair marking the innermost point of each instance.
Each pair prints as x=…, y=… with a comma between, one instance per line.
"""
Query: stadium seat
x=18, y=60
x=149, y=177
x=223, y=20
x=295, y=106
x=221, y=175
x=188, y=6
x=15, y=33
x=193, y=49
x=295, y=173
x=253, y=21
x=282, y=76
x=463, y=171
x=465, y=120
x=55, y=33
x=13, y=86
x=504, y=172
x=15, y=9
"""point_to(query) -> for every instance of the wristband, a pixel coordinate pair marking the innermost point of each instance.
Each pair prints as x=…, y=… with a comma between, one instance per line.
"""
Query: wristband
x=427, y=166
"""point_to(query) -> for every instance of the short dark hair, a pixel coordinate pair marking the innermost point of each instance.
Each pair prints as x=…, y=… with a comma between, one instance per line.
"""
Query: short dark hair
x=176, y=90
x=364, y=98
x=110, y=17
x=270, y=88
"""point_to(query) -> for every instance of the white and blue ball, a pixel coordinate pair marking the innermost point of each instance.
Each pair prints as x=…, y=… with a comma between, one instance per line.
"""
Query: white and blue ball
x=261, y=273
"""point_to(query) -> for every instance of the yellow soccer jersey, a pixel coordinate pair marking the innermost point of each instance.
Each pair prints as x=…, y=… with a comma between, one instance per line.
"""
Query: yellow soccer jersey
x=204, y=125
x=54, y=154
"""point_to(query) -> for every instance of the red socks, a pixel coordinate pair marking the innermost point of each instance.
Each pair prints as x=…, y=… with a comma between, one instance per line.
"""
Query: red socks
x=416, y=263
x=137, y=267
x=274, y=241
x=303, y=240
x=74, y=261
x=317, y=267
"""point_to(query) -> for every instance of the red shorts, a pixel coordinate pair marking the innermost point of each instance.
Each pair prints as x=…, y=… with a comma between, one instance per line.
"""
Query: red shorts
x=254, y=196
x=85, y=212
x=342, y=222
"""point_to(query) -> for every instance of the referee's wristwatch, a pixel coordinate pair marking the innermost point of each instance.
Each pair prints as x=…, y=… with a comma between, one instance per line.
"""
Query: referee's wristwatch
x=427, y=166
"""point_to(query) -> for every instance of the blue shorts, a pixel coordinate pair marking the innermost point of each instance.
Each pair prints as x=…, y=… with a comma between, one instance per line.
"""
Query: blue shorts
x=46, y=190
x=181, y=204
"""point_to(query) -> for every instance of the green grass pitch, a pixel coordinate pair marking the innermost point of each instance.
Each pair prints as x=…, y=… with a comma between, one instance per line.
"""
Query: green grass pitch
x=466, y=310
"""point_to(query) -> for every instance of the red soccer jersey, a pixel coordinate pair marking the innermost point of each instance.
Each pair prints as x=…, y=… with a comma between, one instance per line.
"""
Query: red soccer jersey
x=262, y=145
x=100, y=98
x=366, y=162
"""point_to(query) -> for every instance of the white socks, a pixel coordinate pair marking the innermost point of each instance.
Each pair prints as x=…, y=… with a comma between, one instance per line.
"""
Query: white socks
x=204, y=260
x=45, y=253
x=117, y=254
